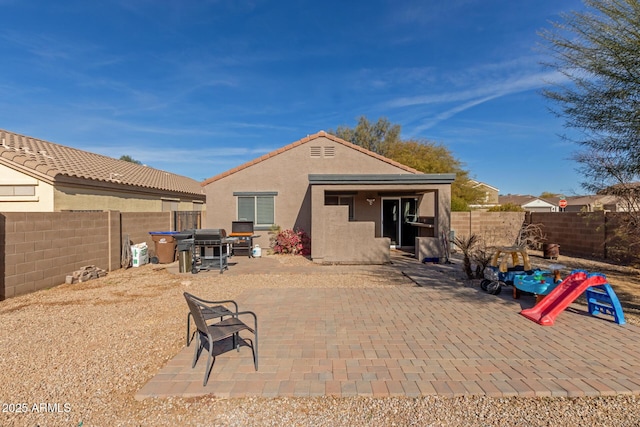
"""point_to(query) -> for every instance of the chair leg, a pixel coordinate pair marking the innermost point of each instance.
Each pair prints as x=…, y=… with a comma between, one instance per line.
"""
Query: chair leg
x=210, y=361
x=188, y=329
x=197, y=350
x=255, y=351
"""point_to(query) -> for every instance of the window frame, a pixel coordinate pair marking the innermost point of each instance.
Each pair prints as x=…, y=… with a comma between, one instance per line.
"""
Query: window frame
x=256, y=215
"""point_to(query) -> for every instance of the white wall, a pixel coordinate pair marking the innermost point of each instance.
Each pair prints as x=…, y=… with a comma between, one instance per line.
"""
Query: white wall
x=42, y=201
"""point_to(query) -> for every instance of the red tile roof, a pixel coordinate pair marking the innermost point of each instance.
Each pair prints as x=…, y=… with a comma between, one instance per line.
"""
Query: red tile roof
x=54, y=163
x=308, y=138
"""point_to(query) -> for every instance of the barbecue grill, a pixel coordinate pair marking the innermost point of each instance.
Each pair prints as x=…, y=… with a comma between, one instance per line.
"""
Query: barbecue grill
x=243, y=231
x=210, y=249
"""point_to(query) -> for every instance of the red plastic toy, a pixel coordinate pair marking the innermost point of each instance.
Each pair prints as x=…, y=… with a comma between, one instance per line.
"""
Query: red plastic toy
x=546, y=311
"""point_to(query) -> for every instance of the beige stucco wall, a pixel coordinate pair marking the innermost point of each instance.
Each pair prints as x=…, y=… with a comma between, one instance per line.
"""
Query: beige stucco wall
x=287, y=173
x=42, y=201
x=367, y=247
x=79, y=198
x=48, y=198
x=338, y=240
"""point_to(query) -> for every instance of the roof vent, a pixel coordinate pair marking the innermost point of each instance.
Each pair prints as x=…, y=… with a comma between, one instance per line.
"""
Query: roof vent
x=330, y=151
x=316, y=151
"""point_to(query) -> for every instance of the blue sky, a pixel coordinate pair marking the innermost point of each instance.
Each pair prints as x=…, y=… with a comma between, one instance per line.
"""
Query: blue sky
x=197, y=87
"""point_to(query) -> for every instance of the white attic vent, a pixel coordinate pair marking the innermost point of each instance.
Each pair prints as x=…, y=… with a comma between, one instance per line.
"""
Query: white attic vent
x=330, y=151
x=316, y=151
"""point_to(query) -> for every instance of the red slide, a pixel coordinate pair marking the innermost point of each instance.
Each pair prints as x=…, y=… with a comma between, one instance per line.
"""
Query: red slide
x=546, y=311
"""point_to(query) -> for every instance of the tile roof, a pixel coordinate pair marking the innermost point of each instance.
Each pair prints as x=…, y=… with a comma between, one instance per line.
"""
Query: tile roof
x=516, y=199
x=56, y=163
x=308, y=138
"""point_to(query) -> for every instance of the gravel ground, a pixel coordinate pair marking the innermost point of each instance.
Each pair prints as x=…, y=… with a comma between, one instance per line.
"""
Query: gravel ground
x=75, y=355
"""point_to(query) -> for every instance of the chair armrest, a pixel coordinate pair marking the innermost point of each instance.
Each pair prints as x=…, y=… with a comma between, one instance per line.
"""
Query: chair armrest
x=211, y=303
x=255, y=320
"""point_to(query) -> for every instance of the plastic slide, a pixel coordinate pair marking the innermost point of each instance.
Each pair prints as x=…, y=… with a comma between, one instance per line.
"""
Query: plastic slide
x=546, y=311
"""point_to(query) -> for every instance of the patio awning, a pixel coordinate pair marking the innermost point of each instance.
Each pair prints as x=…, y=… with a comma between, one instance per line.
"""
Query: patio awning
x=397, y=179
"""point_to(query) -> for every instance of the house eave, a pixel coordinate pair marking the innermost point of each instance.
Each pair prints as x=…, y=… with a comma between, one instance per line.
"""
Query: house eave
x=373, y=179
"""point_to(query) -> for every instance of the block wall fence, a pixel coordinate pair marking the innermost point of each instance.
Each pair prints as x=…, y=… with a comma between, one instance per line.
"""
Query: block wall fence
x=39, y=249
x=586, y=235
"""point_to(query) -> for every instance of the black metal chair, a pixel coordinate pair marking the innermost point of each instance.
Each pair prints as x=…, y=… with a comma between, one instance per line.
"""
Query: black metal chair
x=208, y=334
x=210, y=310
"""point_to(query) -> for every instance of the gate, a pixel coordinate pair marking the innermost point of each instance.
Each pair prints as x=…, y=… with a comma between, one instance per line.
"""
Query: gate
x=186, y=220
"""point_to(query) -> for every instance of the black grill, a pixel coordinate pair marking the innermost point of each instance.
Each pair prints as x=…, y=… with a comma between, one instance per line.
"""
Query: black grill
x=241, y=227
x=243, y=232
x=211, y=249
x=209, y=236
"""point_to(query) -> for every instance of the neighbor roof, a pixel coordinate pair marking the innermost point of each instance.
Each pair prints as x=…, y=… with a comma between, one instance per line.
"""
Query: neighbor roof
x=308, y=138
x=56, y=163
x=516, y=199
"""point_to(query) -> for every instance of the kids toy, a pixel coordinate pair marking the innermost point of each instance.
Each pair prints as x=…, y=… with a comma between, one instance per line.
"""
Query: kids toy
x=539, y=282
x=600, y=298
x=500, y=273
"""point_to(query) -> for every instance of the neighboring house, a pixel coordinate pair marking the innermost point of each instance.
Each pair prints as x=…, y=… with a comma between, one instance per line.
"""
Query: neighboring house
x=593, y=203
x=352, y=202
x=529, y=203
x=40, y=176
x=490, y=198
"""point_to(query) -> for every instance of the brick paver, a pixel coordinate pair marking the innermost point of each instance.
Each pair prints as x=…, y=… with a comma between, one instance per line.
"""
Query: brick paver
x=437, y=339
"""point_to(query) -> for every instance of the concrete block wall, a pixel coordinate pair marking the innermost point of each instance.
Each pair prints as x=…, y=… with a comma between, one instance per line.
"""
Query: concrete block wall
x=42, y=248
x=578, y=234
x=137, y=226
x=39, y=249
x=495, y=228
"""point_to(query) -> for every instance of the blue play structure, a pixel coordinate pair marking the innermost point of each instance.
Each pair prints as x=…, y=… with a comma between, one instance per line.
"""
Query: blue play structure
x=602, y=299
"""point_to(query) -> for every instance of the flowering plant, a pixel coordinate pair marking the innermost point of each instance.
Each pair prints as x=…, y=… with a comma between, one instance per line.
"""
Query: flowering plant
x=291, y=242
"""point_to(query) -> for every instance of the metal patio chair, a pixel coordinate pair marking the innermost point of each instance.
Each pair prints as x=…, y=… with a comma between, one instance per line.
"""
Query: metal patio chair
x=208, y=334
x=210, y=310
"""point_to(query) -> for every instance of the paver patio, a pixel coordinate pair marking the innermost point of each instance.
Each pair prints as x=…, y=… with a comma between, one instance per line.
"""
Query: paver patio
x=439, y=338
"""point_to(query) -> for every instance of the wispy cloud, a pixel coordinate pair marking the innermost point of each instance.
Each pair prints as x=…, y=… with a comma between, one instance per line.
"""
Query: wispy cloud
x=481, y=91
x=488, y=89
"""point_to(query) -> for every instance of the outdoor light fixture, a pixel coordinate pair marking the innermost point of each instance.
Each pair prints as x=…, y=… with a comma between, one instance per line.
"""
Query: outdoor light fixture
x=370, y=201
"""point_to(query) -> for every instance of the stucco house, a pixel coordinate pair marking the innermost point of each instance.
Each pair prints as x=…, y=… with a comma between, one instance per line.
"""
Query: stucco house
x=354, y=204
x=593, y=203
x=40, y=176
x=529, y=203
x=491, y=195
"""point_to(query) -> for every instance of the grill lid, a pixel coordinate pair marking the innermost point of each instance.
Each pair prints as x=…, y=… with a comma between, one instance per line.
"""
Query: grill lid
x=209, y=234
x=242, y=227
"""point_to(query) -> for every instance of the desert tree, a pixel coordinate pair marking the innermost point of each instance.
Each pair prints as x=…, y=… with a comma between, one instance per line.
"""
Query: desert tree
x=597, y=51
x=383, y=137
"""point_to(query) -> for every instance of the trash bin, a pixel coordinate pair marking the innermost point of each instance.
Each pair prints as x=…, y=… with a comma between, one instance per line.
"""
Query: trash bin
x=550, y=250
x=184, y=261
x=165, y=245
x=184, y=246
